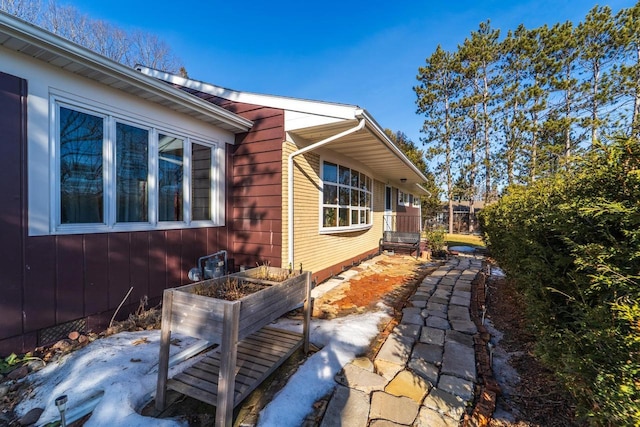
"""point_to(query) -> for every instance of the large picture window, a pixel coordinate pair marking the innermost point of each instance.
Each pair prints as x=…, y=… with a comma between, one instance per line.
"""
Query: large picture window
x=346, y=198
x=115, y=174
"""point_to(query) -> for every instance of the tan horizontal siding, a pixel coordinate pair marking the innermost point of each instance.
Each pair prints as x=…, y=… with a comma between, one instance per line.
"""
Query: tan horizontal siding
x=318, y=251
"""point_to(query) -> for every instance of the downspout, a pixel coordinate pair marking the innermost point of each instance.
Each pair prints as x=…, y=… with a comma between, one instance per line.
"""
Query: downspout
x=290, y=178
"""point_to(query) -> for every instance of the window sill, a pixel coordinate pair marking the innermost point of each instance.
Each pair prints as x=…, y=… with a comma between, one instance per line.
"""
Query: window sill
x=131, y=227
x=341, y=230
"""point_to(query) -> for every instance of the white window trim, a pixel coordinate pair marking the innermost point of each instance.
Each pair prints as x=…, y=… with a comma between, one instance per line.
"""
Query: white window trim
x=350, y=228
x=110, y=118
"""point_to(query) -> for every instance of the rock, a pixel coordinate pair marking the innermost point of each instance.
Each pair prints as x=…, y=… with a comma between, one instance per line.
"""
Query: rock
x=401, y=410
x=410, y=385
x=31, y=417
x=73, y=335
x=4, y=389
x=18, y=373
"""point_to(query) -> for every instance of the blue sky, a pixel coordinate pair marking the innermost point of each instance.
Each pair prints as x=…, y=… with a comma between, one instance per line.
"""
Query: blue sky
x=362, y=53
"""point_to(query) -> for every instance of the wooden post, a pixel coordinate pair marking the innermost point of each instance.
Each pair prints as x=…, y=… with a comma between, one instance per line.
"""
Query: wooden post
x=227, y=375
x=308, y=308
x=165, y=342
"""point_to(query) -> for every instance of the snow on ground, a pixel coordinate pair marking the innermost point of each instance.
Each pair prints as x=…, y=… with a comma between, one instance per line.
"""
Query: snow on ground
x=121, y=366
x=342, y=339
x=124, y=368
x=504, y=373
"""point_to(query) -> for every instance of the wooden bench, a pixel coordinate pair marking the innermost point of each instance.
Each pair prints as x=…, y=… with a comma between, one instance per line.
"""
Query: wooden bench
x=401, y=240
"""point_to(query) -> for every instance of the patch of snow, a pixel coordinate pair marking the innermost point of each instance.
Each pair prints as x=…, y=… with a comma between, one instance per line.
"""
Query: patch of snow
x=506, y=376
x=343, y=339
x=497, y=272
x=118, y=366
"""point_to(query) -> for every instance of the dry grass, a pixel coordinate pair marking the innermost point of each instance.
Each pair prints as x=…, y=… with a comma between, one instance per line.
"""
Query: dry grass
x=230, y=289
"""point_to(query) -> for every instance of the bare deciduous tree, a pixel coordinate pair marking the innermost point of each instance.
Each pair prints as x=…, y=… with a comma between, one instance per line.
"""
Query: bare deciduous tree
x=129, y=48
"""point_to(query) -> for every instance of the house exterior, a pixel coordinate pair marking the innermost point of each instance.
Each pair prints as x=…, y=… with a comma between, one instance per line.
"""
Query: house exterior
x=348, y=181
x=112, y=179
x=464, y=220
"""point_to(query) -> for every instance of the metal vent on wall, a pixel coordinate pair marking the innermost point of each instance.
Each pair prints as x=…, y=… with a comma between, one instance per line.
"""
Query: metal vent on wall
x=58, y=332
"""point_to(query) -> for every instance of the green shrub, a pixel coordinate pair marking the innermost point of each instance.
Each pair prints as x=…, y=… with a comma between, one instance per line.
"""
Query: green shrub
x=436, y=239
x=572, y=245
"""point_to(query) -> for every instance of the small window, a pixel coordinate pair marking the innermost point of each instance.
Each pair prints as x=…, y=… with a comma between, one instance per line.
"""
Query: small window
x=201, y=181
x=416, y=201
x=170, y=174
x=346, y=198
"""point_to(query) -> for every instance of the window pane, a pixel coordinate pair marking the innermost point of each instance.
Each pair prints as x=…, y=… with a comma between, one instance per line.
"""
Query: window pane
x=345, y=175
x=330, y=194
x=363, y=181
x=354, y=197
x=368, y=200
x=355, y=179
x=81, y=180
x=330, y=172
x=344, y=196
x=363, y=198
x=200, y=182
x=170, y=155
x=363, y=217
x=329, y=215
x=344, y=217
x=132, y=171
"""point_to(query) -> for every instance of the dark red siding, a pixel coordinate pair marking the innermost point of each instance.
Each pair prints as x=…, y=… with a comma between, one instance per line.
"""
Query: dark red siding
x=256, y=192
x=46, y=281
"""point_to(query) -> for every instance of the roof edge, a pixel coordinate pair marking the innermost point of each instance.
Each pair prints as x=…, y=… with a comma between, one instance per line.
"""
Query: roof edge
x=324, y=108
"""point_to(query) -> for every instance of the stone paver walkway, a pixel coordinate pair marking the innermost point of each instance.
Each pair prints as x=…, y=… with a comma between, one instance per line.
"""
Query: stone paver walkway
x=424, y=373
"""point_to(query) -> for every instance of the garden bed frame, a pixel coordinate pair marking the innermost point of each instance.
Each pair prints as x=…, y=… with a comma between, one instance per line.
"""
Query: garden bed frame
x=248, y=352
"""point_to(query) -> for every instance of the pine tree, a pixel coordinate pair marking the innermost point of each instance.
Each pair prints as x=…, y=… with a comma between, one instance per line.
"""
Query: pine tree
x=437, y=93
x=480, y=54
x=595, y=36
x=563, y=49
x=627, y=37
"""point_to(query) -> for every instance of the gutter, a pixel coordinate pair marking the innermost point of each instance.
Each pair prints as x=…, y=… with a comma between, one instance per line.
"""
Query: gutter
x=290, y=177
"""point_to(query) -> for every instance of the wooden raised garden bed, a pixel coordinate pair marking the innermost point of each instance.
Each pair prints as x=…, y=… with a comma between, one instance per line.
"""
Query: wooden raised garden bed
x=248, y=350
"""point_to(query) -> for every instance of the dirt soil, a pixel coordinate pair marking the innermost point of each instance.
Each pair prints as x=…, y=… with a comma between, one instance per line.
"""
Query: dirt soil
x=536, y=399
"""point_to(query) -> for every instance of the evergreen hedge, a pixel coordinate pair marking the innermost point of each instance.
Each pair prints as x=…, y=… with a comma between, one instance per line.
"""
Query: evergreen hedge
x=571, y=243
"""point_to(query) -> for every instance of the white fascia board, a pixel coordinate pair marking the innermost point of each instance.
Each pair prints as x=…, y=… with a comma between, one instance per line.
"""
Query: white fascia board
x=49, y=42
x=321, y=108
